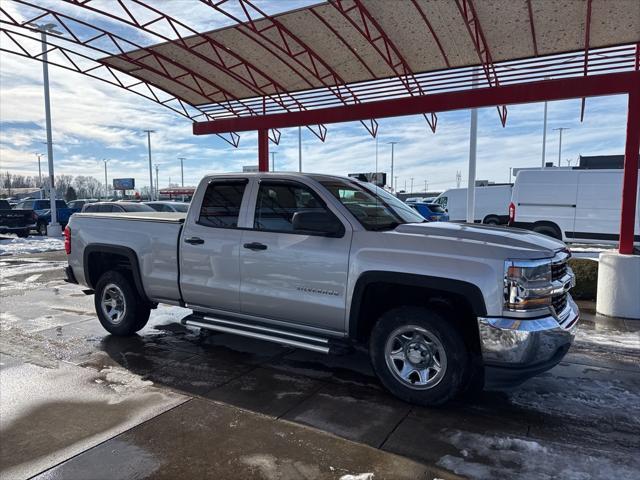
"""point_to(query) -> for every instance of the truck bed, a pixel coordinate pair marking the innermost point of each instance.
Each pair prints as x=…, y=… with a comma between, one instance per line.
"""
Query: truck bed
x=152, y=237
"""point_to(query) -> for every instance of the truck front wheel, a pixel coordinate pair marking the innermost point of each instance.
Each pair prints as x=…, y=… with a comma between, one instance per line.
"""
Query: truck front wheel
x=418, y=355
x=120, y=309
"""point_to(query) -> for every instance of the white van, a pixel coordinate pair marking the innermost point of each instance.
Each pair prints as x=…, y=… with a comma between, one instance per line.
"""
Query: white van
x=574, y=205
x=492, y=204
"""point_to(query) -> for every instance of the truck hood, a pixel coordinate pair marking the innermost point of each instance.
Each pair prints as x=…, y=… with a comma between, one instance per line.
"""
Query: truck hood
x=515, y=238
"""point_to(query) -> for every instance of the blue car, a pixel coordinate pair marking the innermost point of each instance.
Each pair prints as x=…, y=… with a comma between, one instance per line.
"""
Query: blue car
x=431, y=211
x=42, y=212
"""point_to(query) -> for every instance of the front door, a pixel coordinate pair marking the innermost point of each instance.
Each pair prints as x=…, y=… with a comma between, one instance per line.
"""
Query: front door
x=288, y=274
x=210, y=247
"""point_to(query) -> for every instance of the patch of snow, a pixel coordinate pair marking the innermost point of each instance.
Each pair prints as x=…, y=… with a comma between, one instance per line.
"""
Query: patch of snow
x=581, y=398
x=490, y=457
x=20, y=246
x=121, y=380
x=615, y=339
x=360, y=476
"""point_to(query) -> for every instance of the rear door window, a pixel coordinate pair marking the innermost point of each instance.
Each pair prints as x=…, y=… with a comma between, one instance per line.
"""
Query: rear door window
x=221, y=204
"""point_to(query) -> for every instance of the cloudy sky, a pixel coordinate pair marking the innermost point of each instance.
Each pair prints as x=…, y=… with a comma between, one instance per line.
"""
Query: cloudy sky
x=94, y=121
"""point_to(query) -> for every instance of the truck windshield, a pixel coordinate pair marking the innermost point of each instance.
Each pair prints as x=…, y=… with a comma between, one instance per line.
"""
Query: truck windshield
x=375, y=208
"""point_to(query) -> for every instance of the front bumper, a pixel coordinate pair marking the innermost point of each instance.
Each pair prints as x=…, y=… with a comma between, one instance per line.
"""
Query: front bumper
x=514, y=350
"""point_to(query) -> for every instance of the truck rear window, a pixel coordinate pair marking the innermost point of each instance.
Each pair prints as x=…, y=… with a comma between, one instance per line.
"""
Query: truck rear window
x=221, y=204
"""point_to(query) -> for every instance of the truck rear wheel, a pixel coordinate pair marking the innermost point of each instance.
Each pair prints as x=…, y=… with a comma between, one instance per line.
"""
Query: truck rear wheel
x=548, y=230
x=120, y=309
x=418, y=355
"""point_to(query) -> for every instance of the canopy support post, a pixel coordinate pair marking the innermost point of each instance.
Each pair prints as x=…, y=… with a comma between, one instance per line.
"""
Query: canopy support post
x=630, y=176
x=263, y=150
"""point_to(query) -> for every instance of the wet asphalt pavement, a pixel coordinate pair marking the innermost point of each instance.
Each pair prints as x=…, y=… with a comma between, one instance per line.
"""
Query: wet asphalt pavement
x=171, y=402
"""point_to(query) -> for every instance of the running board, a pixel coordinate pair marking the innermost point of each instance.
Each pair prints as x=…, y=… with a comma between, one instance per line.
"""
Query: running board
x=260, y=332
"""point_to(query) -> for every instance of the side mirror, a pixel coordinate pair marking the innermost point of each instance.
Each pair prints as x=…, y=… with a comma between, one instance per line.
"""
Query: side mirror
x=323, y=223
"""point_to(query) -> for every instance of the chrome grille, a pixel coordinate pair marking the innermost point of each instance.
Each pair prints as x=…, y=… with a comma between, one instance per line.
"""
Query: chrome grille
x=558, y=270
x=559, y=302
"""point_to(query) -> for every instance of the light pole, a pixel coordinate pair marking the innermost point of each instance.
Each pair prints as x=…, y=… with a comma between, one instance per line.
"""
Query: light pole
x=157, y=184
x=392, y=145
x=149, y=132
x=395, y=184
x=561, y=129
x=53, y=229
x=273, y=161
x=39, y=155
x=544, y=135
x=182, y=159
x=106, y=183
x=426, y=185
x=300, y=149
x=411, y=185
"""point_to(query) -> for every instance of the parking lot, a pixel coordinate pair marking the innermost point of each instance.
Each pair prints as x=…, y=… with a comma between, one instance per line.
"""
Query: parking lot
x=78, y=403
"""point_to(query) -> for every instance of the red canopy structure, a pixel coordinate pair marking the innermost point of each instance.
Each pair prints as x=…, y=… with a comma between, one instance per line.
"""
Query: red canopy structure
x=346, y=60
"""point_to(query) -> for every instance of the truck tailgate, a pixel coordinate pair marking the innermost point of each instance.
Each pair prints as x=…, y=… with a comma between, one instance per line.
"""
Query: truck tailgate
x=152, y=237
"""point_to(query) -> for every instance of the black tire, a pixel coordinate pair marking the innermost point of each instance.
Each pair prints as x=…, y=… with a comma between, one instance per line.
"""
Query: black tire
x=23, y=233
x=548, y=230
x=135, y=311
x=491, y=220
x=42, y=229
x=456, y=361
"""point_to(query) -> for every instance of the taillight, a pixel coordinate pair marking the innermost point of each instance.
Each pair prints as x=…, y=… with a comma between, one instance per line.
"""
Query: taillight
x=512, y=213
x=67, y=240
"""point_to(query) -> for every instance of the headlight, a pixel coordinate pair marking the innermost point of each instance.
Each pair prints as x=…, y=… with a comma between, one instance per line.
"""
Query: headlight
x=527, y=284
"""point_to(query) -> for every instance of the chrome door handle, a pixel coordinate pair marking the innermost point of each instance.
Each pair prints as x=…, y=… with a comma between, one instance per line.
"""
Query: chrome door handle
x=255, y=246
x=194, y=240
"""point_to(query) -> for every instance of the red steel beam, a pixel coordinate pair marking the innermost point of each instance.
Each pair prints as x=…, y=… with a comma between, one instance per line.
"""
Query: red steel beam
x=630, y=175
x=371, y=30
x=587, y=31
x=531, y=92
x=468, y=12
x=533, y=28
x=263, y=150
x=433, y=32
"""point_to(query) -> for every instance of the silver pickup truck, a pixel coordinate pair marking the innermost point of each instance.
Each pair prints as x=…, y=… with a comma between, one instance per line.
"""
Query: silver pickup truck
x=326, y=263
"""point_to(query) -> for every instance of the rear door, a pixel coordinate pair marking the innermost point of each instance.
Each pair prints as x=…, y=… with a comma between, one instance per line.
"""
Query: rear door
x=292, y=275
x=210, y=245
x=598, y=205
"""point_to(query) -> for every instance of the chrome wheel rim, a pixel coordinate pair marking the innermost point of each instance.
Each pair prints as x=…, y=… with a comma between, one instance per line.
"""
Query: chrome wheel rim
x=113, y=304
x=415, y=357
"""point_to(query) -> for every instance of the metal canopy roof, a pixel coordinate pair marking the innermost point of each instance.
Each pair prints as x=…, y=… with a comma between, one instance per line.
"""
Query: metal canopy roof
x=348, y=41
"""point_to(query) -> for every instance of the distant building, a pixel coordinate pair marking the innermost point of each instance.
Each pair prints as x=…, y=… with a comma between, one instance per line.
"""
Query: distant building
x=592, y=162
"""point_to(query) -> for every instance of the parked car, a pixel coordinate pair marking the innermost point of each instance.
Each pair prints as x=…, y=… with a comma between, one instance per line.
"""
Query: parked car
x=42, y=212
x=414, y=199
x=116, y=207
x=491, y=205
x=160, y=206
x=573, y=205
x=322, y=263
x=81, y=202
x=16, y=221
x=431, y=211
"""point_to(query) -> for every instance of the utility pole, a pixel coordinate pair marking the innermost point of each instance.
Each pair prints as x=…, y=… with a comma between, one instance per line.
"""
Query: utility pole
x=182, y=174
x=561, y=129
x=392, y=145
x=149, y=132
x=53, y=229
x=300, y=149
x=106, y=183
x=157, y=184
x=273, y=161
x=458, y=179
